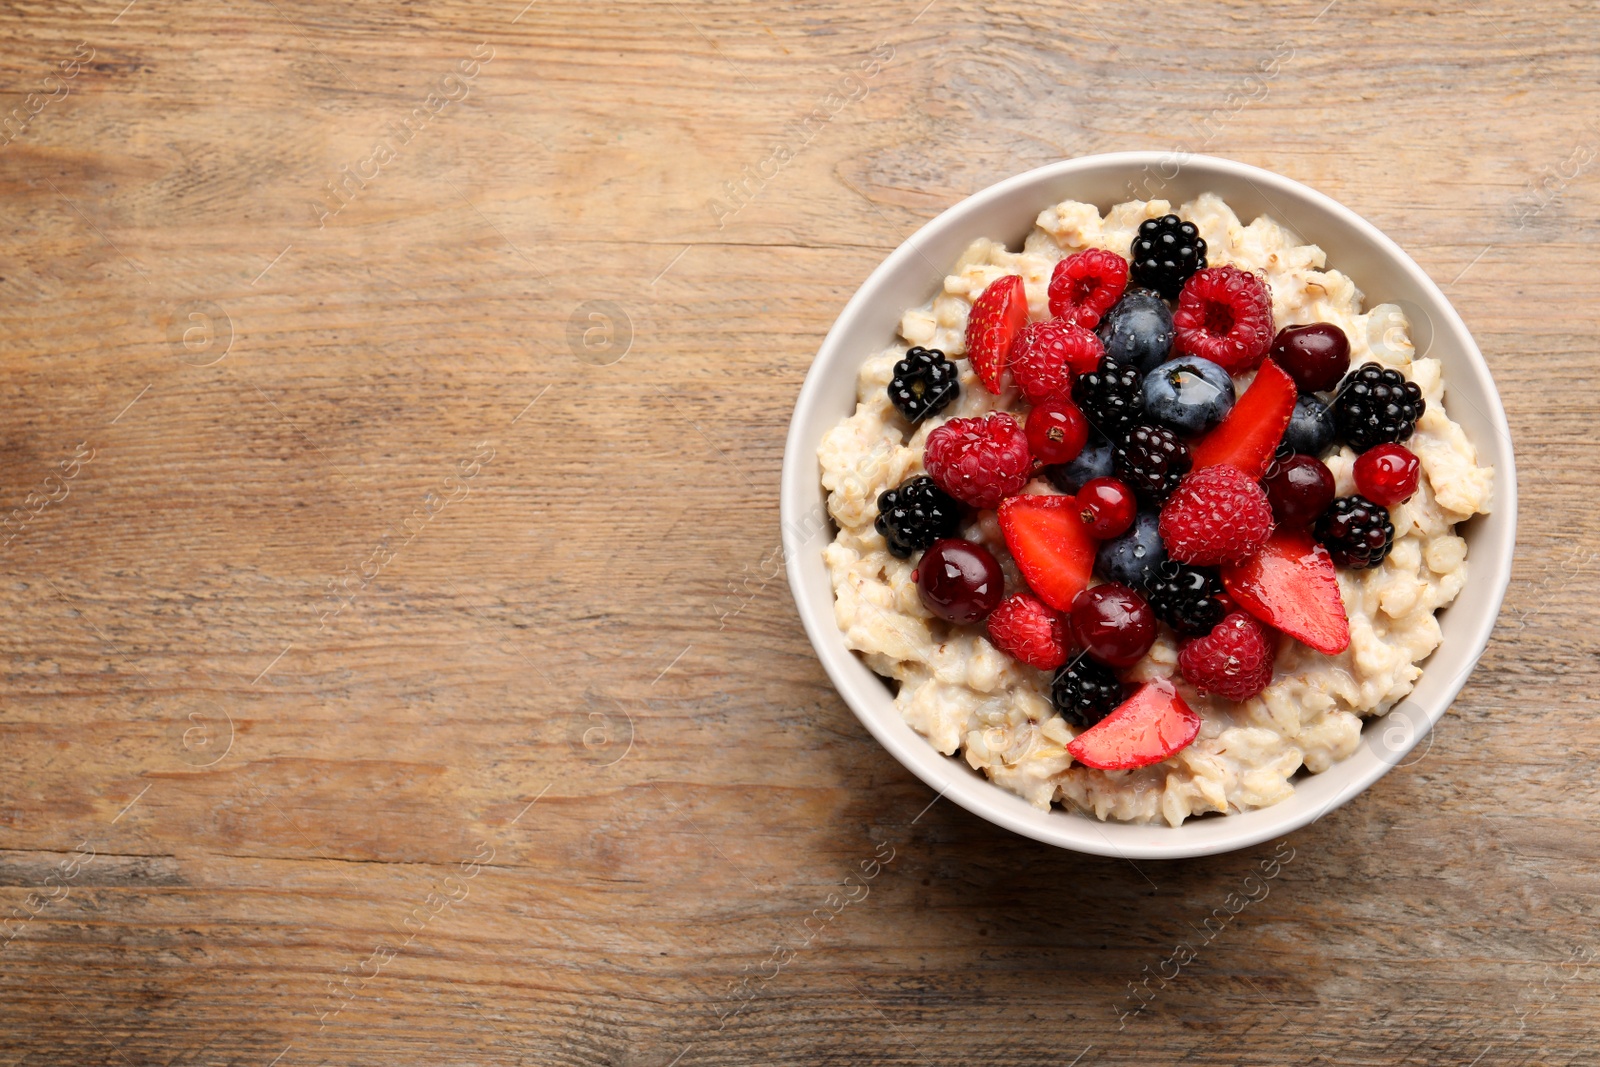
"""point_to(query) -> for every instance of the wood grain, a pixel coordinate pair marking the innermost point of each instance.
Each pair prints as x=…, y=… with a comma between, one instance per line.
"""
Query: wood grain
x=560, y=780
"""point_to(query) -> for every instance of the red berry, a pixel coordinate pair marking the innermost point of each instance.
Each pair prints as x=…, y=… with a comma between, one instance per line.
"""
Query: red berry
x=1216, y=515
x=1113, y=624
x=992, y=325
x=1150, y=726
x=979, y=461
x=1300, y=488
x=1052, y=548
x=1248, y=435
x=1291, y=585
x=959, y=581
x=1046, y=355
x=1387, y=474
x=1085, y=285
x=1025, y=628
x=1108, y=507
x=1224, y=315
x=1316, y=356
x=1057, y=430
x=1234, y=660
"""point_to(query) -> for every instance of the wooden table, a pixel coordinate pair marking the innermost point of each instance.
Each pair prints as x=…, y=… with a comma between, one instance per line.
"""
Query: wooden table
x=398, y=665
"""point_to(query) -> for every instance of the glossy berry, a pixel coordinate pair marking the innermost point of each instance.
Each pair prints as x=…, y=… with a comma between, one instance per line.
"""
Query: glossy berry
x=1316, y=356
x=1086, y=284
x=959, y=581
x=915, y=514
x=1110, y=398
x=1113, y=624
x=1024, y=628
x=1357, y=532
x=1085, y=691
x=1056, y=430
x=1187, y=598
x=1387, y=474
x=1376, y=406
x=1310, y=430
x=1165, y=252
x=1138, y=330
x=1225, y=315
x=924, y=383
x=1093, y=462
x=1217, y=515
x=1108, y=508
x=1133, y=557
x=1189, y=395
x=979, y=461
x=1234, y=660
x=1299, y=488
x=996, y=317
x=1152, y=461
x=1046, y=355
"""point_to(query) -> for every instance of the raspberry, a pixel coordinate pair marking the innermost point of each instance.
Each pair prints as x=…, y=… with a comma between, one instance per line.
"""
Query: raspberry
x=1085, y=691
x=1024, y=628
x=1045, y=355
x=1111, y=397
x=979, y=461
x=1151, y=462
x=1165, y=253
x=1225, y=315
x=1233, y=661
x=924, y=384
x=1085, y=285
x=914, y=515
x=1356, y=532
x=1376, y=406
x=1217, y=515
x=1188, y=599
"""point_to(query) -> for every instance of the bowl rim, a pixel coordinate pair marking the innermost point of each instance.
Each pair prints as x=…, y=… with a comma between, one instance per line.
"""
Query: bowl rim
x=949, y=776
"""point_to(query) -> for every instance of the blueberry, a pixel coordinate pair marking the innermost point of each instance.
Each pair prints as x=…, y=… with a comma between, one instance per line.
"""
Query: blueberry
x=1138, y=330
x=1311, y=428
x=1093, y=462
x=1129, y=559
x=1188, y=394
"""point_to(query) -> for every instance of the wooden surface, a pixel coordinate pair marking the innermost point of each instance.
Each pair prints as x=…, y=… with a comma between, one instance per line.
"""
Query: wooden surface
x=395, y=675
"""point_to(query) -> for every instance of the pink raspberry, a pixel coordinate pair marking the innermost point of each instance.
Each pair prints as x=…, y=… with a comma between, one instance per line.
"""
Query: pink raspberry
x=1086, y=284
x=1024, y=628
x=979, y=461
x=1046, y=355
x=1225, y=315
x=1233, y=661
x=1217, y=515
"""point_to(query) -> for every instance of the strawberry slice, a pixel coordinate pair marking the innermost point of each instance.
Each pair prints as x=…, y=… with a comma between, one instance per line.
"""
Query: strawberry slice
x=1291, y=585
x=1148, y=727
x=1052, y=546
x=992, y=325
x=1250, y=433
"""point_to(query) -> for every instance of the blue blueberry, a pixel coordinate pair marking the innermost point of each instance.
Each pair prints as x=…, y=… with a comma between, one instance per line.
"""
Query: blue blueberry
x=1311, y=428
x=1093, y=462
x=1131, y=558
x=1188, y=394
x=1138, y=330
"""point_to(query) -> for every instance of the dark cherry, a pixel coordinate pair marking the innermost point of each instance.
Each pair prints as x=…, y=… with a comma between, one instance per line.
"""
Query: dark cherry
x=1057, y=430
x=1107, y=507
x=1316, y=356
x=1113, y=624
x=1299, y=488
x=960, y=581
x=1387, y=474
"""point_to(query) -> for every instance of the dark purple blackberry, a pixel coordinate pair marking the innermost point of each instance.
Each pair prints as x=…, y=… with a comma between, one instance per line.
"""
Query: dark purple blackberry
x=1185, y=597
x=1111, y=397
x=1376, y=406
x=1164, y=253
x=924, y=384
x=1085, y=691
x=1356, y=532
x=915, y=514
x=1152, y=461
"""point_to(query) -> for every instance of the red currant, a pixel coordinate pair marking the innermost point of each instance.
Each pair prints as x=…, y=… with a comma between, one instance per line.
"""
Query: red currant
x=1113, y=624
x=1387, y=474
x=1316, y=356
x=959, y=580
x=1299, y=488
x=1057, y=430
x=1107, y=507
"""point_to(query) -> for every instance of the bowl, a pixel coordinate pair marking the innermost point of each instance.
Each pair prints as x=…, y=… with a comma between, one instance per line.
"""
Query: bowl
x=914, y=272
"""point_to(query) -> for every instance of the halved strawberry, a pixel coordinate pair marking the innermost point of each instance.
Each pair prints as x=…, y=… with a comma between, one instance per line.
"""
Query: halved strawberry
x=1051, y=545
x=1291, y=584
x=996, y=316
x=1250, y=433
x=1148, y=727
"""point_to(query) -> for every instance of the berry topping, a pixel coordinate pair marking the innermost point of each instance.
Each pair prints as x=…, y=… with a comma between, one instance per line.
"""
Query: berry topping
x=1052, y=548
x=1216, y=515
x=1109, y=397
x=1086, y=284
x=1188, y=599
x=1291, y=585
x=1113, y=624
x=1150, y=726
x=1165, y=253
x=1093, y=462
x=1047, y=354
x=1152, y=461
x=1133, y=557
x=1316, y=356
x=1356, y=532
x=1085, y=691
x=979, y=461
x=1387, y=474
x=1310, y=430
x=1233, y=661
x=1024, y=628
x=959, y=581
x=915, y=514
x=1188, y=394
x=1299, y=488
x=924, y=384
x=1138, y=330
x=1225, y=315
x=1247, y=438
x=1056, y=430
x=1107, y=507
x=1376, y=406
x=997, y=316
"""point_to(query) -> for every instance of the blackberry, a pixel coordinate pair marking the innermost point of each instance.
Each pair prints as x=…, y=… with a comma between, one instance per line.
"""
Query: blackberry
x=915, y=514
x=1152, y=461
x=924, y=384
x=1165, y=253
x=1085, y=691
x=1356, y=532
x=1185, y=597
x=1110, y=397
x=1376, y=406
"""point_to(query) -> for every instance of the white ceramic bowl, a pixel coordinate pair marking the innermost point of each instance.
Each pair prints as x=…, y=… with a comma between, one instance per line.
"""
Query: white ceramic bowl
x=915, y=272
